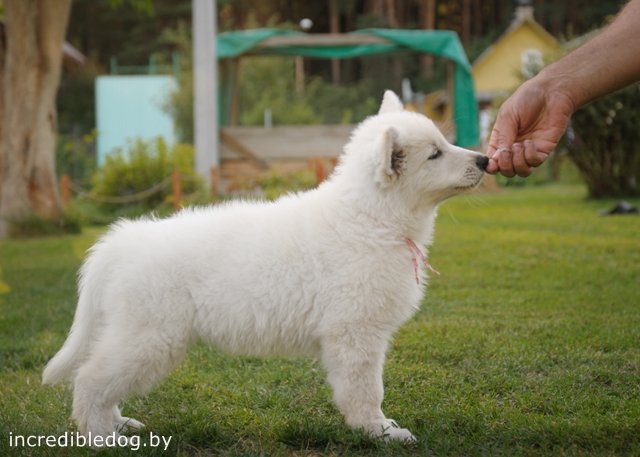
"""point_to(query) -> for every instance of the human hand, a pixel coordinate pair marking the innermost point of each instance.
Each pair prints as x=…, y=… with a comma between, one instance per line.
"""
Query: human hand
x=527, y=129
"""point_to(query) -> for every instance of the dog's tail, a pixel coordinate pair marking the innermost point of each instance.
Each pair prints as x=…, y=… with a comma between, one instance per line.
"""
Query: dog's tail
x=74, y=349
x=78, y=343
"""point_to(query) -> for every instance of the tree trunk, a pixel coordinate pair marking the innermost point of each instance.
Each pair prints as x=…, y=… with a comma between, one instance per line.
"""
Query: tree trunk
x=376, y=7
x=30, y=72
x=428, y=22
x=478, y=30
x=334, y=27
x=466, y=22
x=391, y=14
x=3, y=47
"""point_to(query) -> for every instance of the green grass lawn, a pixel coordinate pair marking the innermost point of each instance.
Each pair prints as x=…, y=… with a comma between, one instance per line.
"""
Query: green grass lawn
x=527, y=344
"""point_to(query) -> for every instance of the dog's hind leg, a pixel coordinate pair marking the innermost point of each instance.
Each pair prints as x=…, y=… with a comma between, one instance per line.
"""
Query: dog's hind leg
x=354, y=364
x=122, y=362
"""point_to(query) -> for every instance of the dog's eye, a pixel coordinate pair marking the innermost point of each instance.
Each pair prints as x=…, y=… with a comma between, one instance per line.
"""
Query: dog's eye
x=436, y=154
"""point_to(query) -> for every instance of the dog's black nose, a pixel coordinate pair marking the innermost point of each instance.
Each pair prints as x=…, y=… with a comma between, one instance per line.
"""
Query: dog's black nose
x=482, y=162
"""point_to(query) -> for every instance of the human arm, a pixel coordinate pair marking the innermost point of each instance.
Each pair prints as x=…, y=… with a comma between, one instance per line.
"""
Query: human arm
x=531, y=122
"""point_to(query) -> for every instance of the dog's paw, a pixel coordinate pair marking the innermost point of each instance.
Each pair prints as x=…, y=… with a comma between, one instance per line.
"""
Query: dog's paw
x=391, y=431
x=399, y=434
x=126, y=424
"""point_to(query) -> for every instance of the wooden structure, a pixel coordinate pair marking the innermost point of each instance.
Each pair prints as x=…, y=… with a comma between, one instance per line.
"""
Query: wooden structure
x=248, y=152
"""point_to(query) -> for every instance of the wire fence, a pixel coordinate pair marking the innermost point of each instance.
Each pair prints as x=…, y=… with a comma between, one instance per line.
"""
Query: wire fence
x=124, y=199
x=174, y=181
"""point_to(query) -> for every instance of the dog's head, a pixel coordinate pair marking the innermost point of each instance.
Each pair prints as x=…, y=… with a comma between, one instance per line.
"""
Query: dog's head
x=405, y=151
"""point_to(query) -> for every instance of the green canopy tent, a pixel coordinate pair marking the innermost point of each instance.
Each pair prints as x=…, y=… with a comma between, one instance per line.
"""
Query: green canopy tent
x=441, y=43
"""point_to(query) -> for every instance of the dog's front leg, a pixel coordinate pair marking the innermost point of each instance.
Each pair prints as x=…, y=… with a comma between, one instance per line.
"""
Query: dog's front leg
x=354, y=364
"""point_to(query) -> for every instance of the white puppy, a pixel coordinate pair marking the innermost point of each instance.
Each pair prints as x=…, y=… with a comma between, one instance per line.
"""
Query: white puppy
x=330, y=273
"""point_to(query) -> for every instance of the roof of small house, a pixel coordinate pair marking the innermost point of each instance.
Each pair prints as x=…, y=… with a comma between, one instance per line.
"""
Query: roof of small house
x=497, y=69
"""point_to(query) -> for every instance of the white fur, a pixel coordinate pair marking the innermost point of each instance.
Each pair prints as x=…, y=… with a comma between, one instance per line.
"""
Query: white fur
x=325, y=273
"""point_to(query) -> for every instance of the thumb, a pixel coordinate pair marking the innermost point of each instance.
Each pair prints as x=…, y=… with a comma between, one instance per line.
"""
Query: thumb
x=503, y=134
x=501, y=141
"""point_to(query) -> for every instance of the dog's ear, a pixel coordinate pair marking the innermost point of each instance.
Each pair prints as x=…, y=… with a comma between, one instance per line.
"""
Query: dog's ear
x=393, y=157
x=390, y=103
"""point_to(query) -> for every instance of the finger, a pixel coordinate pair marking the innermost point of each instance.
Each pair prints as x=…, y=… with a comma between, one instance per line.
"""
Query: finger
x=533, y=157
x=492, y=166
x=492, y=147
x=503, y=133
x=505, y=163
x=520, y=166
x=490, y=152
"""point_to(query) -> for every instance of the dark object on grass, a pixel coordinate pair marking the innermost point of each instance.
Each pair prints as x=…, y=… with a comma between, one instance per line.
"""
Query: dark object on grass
x=621, y=207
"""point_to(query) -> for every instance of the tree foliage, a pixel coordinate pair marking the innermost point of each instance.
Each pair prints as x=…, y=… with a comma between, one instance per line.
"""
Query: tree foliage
x=606, y=148
x=139, y=29
x=127, y=176
x=134, y=30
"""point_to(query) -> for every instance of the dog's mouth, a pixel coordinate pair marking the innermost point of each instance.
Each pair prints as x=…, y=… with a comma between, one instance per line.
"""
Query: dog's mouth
x=470, y=186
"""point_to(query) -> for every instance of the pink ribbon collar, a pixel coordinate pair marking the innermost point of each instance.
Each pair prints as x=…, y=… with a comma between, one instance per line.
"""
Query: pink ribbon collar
x=416, y=253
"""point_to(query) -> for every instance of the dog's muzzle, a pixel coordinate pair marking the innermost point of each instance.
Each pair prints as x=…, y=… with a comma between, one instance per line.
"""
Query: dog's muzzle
x=482, y=161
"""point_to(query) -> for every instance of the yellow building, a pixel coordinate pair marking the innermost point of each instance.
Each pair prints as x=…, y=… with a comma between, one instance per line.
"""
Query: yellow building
x=517, y=55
